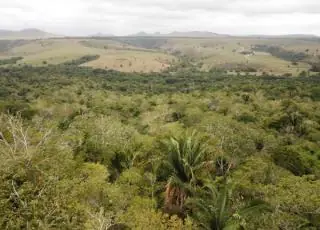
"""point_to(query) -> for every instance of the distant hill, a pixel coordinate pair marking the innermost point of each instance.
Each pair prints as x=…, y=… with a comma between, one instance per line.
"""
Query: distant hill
x=207, y=34
x=194, y=34
x=293, y=36
x=102, y=35
x=25, y=34
x=299, y=36
x=142, y=34
x=190, y=34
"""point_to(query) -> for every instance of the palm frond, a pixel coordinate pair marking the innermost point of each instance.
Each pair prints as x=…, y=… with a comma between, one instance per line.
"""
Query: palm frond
x=233, y=226
x=255, y=207
x=222, y=204
x=186, y=155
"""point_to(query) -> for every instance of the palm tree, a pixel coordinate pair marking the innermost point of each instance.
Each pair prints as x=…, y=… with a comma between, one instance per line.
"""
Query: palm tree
x=215, y=213
x=186, y=156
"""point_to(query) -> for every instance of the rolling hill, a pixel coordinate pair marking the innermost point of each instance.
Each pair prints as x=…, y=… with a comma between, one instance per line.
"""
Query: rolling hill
x=156, y=52
x=25, y=34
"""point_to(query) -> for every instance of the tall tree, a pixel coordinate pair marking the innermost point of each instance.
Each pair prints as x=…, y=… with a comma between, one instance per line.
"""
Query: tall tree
x=186, y=156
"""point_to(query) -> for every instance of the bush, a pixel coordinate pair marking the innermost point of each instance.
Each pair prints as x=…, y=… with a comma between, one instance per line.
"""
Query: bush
x=246, y=118
x=315, y=67
x=81, y=60
x=303, y=73
x=12, y=60
x=173, y=117
x=246, y=98
x=315, y=94
x=18, y=108
x=291, y=160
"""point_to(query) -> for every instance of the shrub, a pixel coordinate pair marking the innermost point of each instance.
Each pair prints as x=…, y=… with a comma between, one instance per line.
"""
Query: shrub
x=246, y=98
x=303, y=73
x=173, y=117
x=292, y=160
x=315, y=94
x=18, y=108
x=12, y=60
x=246, y=118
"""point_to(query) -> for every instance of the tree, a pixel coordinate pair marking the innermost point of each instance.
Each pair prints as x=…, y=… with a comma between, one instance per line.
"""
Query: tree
x=41, y=186
x=303, y=74
x=186, y=156
x=215, y=210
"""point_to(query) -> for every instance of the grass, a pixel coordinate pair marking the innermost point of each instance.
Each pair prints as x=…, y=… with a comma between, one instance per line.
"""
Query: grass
x=225, y=53
x=211, y=52
x=113, y=55
x=132, y=61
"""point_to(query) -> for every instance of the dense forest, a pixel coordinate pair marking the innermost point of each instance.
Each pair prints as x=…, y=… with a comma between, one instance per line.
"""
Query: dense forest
x=281, y=53
x=84, y=148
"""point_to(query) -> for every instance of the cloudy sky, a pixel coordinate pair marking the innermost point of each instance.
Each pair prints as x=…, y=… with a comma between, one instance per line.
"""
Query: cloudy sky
x=121, y=17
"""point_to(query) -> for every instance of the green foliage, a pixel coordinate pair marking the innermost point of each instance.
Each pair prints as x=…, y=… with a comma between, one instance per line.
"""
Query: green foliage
x=83, y=149
x=17, y=108
x=291, y=120
x=282, y=53
x=140, y=215
x=296, y=160
x=37, y=182
x=66, y=122
x=259, y=177
x=245, y=98
x=303, y=74
x=215, y=211
x=186, y=156
x=246, y=118
x=9, y=61
x=6, y=45
x=315, y=93
x=81, y=60
x=144, y=42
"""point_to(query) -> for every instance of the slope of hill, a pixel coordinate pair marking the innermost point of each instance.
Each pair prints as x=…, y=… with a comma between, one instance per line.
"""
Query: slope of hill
x=155, y=53
x=112, y=54
x=25, y=34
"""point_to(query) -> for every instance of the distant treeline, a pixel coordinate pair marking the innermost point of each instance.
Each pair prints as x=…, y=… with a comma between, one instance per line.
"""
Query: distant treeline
x=6, y=45
x=281, y=53
x=143, y=42
x=155, y=83
x=81, y=60
x=9, y=61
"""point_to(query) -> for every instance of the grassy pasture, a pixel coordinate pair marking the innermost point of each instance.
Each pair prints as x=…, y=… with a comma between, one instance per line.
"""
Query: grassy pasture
x=113, y=55
x=132, y=61
x=226, y=52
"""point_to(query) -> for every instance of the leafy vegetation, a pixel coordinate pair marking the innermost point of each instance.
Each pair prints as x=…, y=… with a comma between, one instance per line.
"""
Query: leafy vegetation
x=81, y=60
x=12, y=60
x=84, y=148
x=6, y=45
x=282, y=53
x=144, y=42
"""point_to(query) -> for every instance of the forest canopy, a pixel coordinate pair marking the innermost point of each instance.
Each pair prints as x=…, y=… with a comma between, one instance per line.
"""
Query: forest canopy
x=84, y=148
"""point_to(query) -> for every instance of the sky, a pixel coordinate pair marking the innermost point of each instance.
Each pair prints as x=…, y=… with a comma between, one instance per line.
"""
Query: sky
x=123, y=17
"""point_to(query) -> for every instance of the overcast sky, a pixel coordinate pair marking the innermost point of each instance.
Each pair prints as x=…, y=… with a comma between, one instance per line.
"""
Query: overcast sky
x=121, y=17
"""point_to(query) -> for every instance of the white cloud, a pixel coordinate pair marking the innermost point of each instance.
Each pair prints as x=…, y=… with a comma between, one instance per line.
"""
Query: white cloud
x=80, y=17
